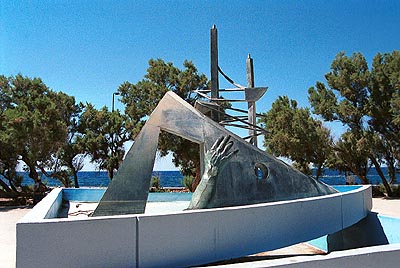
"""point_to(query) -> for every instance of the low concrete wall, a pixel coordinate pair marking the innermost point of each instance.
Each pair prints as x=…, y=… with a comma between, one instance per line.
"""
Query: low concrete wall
x=218, y=234
x=47, y=208
x=107, y=242
x=183, y=239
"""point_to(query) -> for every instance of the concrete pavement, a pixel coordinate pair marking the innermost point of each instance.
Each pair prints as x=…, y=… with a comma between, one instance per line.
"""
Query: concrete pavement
x=387, y=207
x=8, y=219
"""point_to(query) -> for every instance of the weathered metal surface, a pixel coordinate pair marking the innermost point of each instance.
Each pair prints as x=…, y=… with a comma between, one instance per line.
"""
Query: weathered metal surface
x=214, y=161
x=251, y=104
x=254, y=93
x=128, y=191
x=214, y=69
x=250, y=94
x=237, y=183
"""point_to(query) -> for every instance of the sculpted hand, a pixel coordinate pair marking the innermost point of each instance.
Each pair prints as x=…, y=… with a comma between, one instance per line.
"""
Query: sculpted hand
x=217, y=157
x=215, y=160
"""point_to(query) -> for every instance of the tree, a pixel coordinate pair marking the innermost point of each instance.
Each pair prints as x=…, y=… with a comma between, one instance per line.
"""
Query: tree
x=294, y=134
x=141, y=98
x=34, y=123
x=8, y=165
x=69, y=160
x=384, y=91
x=104, y=136
x=350, y=153
x=9, y=181
x=366, y=102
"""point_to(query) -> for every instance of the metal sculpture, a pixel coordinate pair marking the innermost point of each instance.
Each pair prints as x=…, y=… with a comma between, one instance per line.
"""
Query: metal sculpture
x=215, y=161
x=249, y=176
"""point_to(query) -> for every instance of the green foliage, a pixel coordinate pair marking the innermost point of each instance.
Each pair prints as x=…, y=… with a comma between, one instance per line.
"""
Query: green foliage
x=395, y=108
x=155, y=185
x=51, y=134
x=34, y=125
x=350, y=153
x=187, y=181
x=141, y=98
x=104, y=136
x=294, y=134
x=382, y=191
x=186, y=154
x=396, y=190
x=366, y=101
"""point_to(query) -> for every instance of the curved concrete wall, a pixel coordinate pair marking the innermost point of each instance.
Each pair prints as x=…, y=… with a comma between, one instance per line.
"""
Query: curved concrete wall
x=183, y=239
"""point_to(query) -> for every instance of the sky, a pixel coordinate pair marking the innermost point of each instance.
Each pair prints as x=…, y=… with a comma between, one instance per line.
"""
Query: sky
x=88, y=48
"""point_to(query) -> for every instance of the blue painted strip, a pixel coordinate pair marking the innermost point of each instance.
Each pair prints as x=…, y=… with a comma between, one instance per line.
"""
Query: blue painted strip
x=169, y=197
x=95, y=194
x=83, y=194
x=320, y=243
x=391, y=227
x=346, y=188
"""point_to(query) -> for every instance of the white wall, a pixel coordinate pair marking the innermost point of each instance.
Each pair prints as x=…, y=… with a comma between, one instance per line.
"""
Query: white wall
x=84, y=243
x=209, y=235
x=183, y=239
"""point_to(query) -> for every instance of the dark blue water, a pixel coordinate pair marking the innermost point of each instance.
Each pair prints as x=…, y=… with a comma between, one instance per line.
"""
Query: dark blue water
x=334, y=177
x=100, y=179
x=174, y=178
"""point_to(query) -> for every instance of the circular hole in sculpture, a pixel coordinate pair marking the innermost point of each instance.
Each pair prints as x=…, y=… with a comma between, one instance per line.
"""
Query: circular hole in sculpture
x=261, y=171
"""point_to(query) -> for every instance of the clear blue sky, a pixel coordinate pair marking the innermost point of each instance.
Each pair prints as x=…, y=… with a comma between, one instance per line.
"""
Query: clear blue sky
x=88, y=48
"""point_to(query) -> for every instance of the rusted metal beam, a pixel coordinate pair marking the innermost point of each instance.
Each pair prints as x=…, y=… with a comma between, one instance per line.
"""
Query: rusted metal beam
x=251, y=104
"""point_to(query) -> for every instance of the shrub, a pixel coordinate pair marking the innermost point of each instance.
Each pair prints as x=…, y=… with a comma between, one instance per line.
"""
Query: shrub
x=188, y=182
x=156, y=184
x=378, y=190
x=382, y=190
x=396, y=190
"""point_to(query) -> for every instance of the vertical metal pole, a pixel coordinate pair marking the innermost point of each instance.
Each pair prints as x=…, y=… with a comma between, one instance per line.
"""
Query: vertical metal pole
x=115, y=93
x=214, y=68
x=112, y=109
x=251, y=104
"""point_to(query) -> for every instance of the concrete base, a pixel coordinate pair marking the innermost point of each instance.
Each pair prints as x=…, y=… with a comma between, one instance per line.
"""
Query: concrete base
x=167, y=239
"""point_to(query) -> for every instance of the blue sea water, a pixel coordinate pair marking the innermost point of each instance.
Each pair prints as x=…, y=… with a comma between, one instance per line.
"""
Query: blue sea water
x=334, y=177
x=100, y=179
x=174, y=178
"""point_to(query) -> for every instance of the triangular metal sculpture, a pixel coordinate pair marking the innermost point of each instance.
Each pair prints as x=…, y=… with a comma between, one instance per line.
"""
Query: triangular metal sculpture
x=250, y=176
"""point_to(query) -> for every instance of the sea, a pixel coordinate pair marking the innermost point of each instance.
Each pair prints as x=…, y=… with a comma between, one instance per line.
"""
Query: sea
x=174, y=178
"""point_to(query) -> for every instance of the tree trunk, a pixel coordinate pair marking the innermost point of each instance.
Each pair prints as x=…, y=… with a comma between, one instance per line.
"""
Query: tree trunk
x=319, y=172
x=363, y=177
x=32, y=170
x=34, y=175
x=4, y=194
x=74, y=170
x=380, y=173
x=5, y=186
x=66, y=181
x=12, y=185
x=110, y=173
x=75, y=174
x=197, y=178
x=392, y=173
